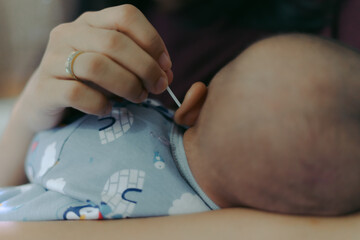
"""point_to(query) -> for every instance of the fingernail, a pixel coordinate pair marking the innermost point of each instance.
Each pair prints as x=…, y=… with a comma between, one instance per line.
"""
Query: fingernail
x=143, y=95
x=108, y=109
x=161, y=84
x=170, y=76
x=165, y=62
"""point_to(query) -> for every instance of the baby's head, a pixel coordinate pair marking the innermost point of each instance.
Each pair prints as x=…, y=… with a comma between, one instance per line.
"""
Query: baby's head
x=280, y=129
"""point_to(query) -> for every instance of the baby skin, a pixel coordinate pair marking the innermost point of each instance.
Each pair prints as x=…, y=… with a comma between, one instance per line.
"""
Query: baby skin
x=279, y=128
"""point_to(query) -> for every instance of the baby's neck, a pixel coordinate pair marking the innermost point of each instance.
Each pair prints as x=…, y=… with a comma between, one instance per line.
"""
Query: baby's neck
x=199, y=168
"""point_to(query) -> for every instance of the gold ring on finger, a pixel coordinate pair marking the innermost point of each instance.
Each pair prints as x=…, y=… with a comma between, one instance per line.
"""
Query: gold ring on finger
x=69, y=64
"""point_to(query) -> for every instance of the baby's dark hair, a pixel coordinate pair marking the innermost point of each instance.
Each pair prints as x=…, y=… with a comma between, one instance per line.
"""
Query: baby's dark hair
x=289, y=111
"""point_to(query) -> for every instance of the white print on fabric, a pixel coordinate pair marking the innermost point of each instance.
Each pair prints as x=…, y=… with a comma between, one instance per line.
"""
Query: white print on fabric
x=159, y=162
x=187, y=203
x=118, y=191
x=116, y=125
x=48, y=159
x=56, y=185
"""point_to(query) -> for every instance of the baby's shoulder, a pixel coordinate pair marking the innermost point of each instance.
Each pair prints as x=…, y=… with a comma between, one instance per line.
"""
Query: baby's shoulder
x=129, y=130
x=122, y=139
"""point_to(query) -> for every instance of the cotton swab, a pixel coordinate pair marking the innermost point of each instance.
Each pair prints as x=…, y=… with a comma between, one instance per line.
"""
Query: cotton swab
x=173, y=96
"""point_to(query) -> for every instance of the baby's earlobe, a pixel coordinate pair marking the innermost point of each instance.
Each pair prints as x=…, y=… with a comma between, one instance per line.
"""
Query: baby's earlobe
x=190, y=109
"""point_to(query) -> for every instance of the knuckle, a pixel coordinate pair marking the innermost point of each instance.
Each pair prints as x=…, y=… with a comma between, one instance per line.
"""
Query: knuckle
x=85, y=15
x=112, y=40
x=126, y=14
x=95, y=66
x=128, y=11
x=129, y=8
x=58, y=31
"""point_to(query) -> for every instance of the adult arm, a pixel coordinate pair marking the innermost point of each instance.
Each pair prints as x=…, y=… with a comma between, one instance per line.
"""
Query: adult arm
x=122, y=56
x=222, y=224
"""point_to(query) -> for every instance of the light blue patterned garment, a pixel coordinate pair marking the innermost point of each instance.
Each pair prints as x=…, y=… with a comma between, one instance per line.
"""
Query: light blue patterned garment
x=128, y=164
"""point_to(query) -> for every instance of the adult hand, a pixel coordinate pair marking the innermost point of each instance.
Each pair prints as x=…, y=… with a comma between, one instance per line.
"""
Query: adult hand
x=123, y=55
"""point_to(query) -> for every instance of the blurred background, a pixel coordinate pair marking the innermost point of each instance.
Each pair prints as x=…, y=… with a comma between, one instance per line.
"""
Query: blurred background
x=24, y=31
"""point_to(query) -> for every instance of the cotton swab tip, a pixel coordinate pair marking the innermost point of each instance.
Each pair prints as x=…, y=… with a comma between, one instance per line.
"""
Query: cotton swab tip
x=173, y=96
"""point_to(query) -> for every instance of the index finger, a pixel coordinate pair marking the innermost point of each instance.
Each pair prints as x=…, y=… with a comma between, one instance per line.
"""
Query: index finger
x=132, y=22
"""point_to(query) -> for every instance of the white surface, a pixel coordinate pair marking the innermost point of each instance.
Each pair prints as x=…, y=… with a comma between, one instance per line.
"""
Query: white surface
x=5, y=110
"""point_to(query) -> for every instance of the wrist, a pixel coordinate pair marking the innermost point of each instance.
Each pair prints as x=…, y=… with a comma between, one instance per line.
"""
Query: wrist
x=20, y=120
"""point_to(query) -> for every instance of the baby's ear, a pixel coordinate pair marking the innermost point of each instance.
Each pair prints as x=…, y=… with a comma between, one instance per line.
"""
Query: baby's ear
x=190, y=109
